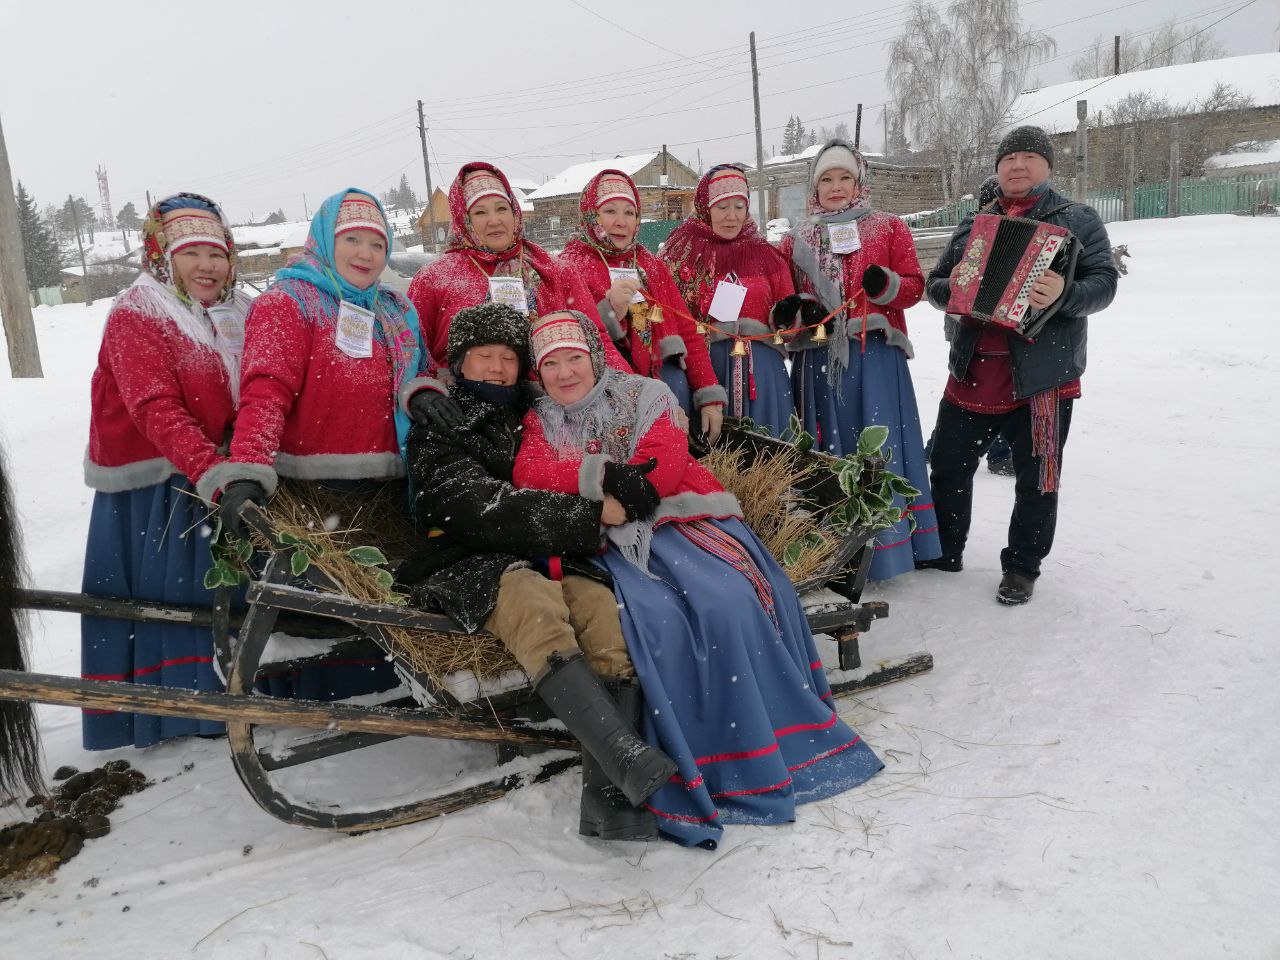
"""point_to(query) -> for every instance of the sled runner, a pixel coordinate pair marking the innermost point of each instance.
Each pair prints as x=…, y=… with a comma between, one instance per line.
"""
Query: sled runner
x=268, y=736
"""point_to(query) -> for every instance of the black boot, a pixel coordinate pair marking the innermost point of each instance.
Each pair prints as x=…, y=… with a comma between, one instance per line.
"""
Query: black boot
x=606, y=813
x=578, y=697
x=1015, y=589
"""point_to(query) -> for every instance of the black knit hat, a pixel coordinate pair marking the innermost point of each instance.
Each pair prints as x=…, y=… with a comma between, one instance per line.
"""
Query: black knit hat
x=487, y=324
x=1025, y=140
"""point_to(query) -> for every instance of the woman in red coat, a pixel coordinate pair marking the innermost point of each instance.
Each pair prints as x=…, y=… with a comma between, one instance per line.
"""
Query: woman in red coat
x=615, y=268
x=488, y=258
x=718, y=256
x=861, y=264
x=163, y=400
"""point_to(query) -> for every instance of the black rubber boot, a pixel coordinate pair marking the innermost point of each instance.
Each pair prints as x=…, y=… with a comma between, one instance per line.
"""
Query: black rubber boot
x=606, y=812
x=579, y=698
x=1015, y=589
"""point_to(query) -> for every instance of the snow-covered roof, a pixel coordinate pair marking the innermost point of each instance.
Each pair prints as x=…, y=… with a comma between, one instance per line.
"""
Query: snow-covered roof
x=1265, y=151
x=808, y=153
x=267, y=235
x=579, y=175
x=1054, y=108
x=524, y=186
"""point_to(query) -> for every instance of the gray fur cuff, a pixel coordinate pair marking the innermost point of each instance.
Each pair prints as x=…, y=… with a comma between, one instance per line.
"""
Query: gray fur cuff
x=672, y=346
x=591, y=476
x=417, y=384
x=610, y=320
x=889, y=292
x=712, y=394
x=220, y=475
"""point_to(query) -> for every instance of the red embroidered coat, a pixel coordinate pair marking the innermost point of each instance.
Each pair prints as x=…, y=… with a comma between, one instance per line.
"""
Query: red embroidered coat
x=688, y=489
x=886, y=241
x=677, y=336
x=160, y=404
x=307, y=407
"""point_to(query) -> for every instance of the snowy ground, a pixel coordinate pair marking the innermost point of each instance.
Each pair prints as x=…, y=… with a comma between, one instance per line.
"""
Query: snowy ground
x=1093, y=775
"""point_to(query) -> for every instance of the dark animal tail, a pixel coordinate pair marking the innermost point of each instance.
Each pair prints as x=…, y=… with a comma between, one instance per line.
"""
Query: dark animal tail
x=19, y=738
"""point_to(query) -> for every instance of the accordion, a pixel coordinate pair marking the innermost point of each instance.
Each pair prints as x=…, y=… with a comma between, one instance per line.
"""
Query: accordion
x=1003, y=258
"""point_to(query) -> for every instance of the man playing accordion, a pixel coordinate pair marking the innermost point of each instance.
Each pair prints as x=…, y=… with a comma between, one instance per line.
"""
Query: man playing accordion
x=1003, y=383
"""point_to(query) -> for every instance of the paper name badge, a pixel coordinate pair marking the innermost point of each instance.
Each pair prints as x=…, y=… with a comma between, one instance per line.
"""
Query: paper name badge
x=509, y=291
x=626, y=273
x=726, y=303
x=229, y=327
x=845, y=237
x=354, y=333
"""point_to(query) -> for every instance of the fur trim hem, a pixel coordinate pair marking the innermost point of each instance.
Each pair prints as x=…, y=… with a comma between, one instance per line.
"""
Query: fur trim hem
x=712, y=394
x=128, y=476
x=221, y=475
x=591, y=476
x=610, y=319
x=890, y=292
x=340, y=466
x=672, y=346
x=697, y=506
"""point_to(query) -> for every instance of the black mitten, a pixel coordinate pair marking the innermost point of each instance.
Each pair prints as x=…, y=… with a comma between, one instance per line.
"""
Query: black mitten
x=627, y=483
x=785, y=310
x=431, y=409
x=234, y=497
x=811, y=313
x=875, y=280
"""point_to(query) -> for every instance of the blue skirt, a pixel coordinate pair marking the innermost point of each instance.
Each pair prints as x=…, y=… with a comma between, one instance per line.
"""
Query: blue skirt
x=741, y=704
x=147, y=544
x=772, y=406
x=875, y=389
x=674, y=376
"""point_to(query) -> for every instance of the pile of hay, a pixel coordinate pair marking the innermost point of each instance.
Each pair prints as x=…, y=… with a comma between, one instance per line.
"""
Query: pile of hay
x=769, y=488
x=332, y=522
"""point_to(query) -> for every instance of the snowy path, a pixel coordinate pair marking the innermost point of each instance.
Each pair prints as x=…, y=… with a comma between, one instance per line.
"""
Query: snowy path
x=1094, y=775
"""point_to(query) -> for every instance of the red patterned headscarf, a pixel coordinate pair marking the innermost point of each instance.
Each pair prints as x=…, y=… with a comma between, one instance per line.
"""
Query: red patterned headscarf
x=178, y=221
x=461, y=197
x=605, y=186
x=699, y=257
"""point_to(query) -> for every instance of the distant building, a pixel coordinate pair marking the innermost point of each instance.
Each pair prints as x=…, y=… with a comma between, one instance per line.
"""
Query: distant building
x=665, y=185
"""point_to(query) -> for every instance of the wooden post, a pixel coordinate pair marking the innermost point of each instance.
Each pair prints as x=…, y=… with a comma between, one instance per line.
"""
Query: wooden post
x=1117, y=56
x=426, y=168
x=1130, y=173
x=1174, y=205
x=75, y=218
x=1082, y=151
x=15, y=296
x=755, y=93
x=857, y=130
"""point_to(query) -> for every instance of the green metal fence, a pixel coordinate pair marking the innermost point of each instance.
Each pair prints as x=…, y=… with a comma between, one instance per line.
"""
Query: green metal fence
x=1195, y=196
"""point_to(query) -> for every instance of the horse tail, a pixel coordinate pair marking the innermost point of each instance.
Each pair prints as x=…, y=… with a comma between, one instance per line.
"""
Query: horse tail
x=19, y=736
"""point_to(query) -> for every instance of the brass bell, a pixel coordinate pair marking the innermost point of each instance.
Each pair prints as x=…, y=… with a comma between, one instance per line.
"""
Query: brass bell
x=701, y=328
x=655, y=314
x=820, y=334
x=777, y=339
x=739, y=349
x=639, y=314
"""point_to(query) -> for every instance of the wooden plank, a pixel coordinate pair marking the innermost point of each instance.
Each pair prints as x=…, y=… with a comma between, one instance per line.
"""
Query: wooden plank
x=170, y=702
x=887, y=671
x=114, y=608
x=346, y=608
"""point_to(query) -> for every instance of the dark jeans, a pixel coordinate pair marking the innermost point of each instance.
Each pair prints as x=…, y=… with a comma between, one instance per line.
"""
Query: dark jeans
x=999, y=452
x=961, y=438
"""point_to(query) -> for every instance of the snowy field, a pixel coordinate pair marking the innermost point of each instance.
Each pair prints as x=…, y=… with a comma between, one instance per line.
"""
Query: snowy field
x=1094, y=775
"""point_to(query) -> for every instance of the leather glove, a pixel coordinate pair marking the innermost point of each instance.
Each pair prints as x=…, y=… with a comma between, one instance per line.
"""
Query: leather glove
x=431, y=409
x=784, y=311
x=627, y=482
x=875, y=279
x=235, y=495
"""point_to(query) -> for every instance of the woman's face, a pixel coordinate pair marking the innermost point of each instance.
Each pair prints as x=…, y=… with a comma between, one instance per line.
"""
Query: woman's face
x=493, y=222
x=491, y=363
x=728, y=216
x=359, y=256
x=567, y=375
x=836, y=188
x=619, y=221
x=202, y=269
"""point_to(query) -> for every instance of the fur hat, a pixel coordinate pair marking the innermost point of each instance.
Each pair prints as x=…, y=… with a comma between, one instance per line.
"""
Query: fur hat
x=836, y=156
x=1025, y=140
x=486, y=324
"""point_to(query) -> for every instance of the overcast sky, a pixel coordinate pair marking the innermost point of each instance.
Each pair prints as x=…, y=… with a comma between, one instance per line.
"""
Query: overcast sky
x=256, y=103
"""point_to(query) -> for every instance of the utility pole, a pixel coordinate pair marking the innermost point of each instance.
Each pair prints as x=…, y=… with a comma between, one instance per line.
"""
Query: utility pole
x=1174, y=204
x=75, y=218
x=306, y=210
x=884, y=115
x=1082, y=151
x=149, y=203
x=1130, y=174
x=755, y=93
x=857, y=129
x=15, y=300
x=426, y=167
x=1117, y=56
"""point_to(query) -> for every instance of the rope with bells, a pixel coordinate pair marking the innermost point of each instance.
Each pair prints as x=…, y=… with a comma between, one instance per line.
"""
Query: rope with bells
x=654, y=316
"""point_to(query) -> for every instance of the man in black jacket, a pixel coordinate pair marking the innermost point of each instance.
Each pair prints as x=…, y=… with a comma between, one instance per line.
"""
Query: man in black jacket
x=1002, y=383
x=481, y=536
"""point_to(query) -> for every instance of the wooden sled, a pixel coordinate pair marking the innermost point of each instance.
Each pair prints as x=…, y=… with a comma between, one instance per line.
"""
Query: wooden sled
x=528, y=751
